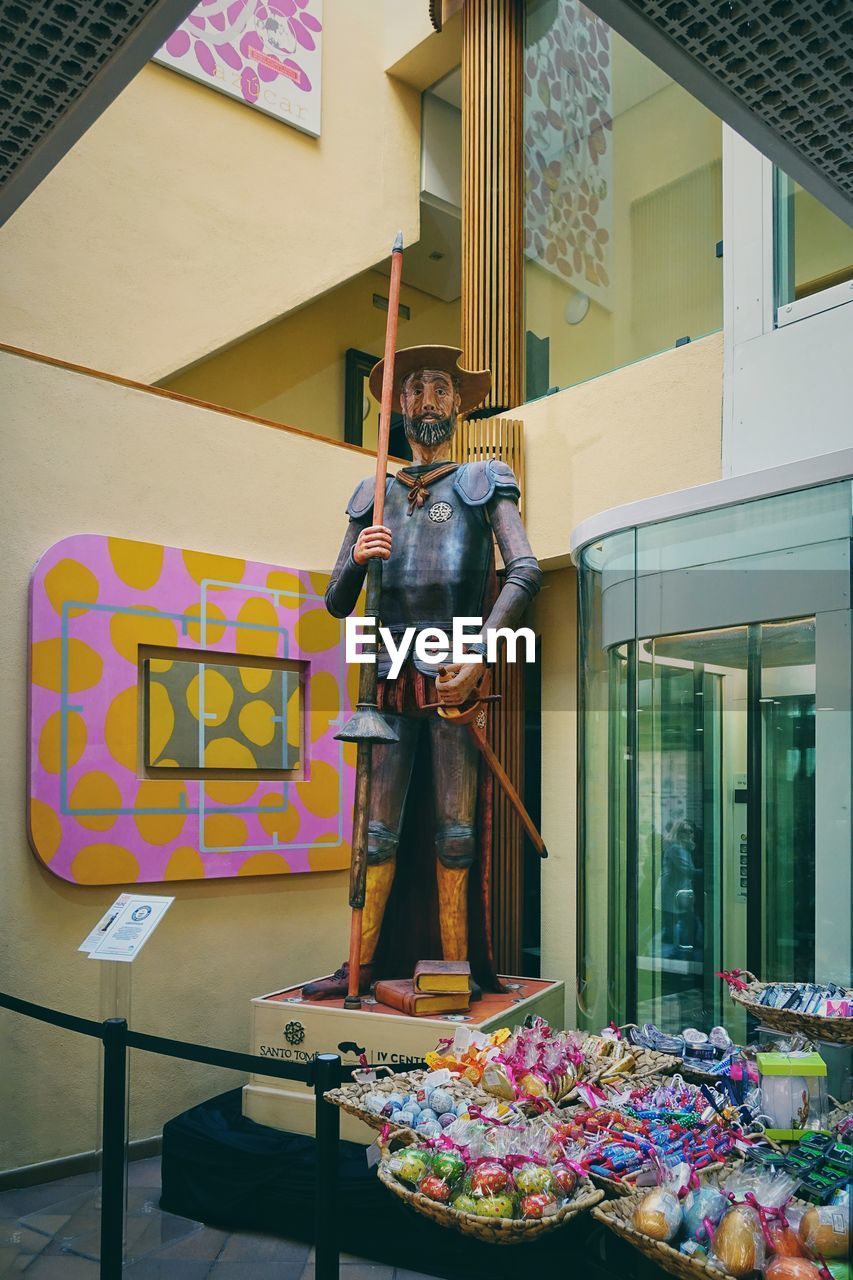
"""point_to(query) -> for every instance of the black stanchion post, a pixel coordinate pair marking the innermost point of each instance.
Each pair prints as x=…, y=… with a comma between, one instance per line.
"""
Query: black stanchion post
x=327, y=1128
x=114, y=1125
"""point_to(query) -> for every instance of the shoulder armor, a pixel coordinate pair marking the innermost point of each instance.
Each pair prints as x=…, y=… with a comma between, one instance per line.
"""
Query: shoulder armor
x=361, y=502
x=476, y=482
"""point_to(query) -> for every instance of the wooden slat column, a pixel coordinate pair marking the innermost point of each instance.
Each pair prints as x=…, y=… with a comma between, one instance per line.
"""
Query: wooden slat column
x=503, y=438
x=492, y=178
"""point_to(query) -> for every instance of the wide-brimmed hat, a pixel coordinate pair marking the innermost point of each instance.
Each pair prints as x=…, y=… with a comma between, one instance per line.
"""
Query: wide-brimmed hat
x=473, y=385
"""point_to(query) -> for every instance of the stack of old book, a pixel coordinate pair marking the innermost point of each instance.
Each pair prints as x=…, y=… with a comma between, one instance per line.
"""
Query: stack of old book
x=438, y=986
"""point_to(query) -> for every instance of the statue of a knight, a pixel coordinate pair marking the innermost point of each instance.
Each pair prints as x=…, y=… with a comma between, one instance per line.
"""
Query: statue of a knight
x=429, y=829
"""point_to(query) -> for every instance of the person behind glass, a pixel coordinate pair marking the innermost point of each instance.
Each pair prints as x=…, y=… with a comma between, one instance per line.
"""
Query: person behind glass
x=441, y=521
x=678, y=887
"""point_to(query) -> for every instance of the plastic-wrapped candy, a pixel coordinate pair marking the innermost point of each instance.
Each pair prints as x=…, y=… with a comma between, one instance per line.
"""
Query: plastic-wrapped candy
x=786, y=1268
x=738, y=1241
x=499, y=1205
x=825, y=1229
x=448, y=1165
x=427, y=1113
x=564, y=1178
x=658, y=1214
x=535, y=1204
x=447, y=1119
x=410, y=1165
x=489, y=1178
x=428, y=1128
x=702, y=1206
x=435, y=1188
x=532, y=1179
x=375, y=1102
x=439, y=1101
x=407, y=1118
x=464, y=1202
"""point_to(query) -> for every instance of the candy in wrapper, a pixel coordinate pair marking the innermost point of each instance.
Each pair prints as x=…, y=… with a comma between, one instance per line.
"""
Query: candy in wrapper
x=825, y=1230
x=786, y=1268
x=497, y=1206
x=564, y=1179
x=497, y=1082
x=658, y=1214
x=465, y=1203
x=532, y=1179
x=448, y=1165
x=535, y=1204
x=410, y=1165
x=489, y=1178
x=738, y=1242
x=435, y=1188
x=705, y=1204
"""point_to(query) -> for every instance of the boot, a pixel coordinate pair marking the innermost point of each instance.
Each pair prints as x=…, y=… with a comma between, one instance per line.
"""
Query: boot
x=453, y=911
x=336, y=986
x=380, y=877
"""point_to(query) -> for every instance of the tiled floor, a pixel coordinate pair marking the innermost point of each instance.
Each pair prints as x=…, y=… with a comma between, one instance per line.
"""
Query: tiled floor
x=50, y=1232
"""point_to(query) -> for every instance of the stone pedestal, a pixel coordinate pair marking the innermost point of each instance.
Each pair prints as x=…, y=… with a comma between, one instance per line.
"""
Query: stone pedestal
x=286, y=1027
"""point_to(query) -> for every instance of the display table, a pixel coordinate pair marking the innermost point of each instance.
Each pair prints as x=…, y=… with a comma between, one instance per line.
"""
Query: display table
x=286, y=1027
x=226, y=1171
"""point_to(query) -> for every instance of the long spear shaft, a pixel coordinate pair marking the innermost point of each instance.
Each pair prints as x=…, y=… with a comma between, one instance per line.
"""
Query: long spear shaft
x=367, y=675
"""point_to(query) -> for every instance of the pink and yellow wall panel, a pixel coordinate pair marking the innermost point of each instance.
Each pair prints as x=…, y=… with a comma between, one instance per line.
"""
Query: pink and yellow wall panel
x=113, y=729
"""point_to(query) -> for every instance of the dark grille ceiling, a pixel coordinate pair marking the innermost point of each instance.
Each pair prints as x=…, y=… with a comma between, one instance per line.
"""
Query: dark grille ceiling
x=779, y=72
x=61, y=64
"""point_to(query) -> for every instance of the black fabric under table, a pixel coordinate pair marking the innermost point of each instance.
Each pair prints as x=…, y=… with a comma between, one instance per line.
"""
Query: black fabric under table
x=229, y=1172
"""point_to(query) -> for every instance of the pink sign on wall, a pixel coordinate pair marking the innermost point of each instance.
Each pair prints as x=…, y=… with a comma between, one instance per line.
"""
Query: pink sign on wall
x=263, y=52
x=183, y=708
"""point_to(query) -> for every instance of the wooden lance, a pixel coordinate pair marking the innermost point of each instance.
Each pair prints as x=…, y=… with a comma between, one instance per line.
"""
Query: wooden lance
x=366, y=725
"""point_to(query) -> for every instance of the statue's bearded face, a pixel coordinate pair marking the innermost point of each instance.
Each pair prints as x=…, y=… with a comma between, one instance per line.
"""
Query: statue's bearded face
x=430, y=403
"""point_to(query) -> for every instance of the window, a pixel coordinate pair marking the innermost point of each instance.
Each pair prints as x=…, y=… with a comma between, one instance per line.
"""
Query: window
x=623, y=207
x=813, y=254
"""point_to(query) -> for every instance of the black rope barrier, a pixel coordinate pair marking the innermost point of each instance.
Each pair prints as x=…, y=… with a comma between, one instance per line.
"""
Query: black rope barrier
x=322, y=1072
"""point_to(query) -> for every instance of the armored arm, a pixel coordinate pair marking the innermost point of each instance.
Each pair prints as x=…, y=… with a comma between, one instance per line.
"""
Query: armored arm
x=347, y=577
x=523, y=576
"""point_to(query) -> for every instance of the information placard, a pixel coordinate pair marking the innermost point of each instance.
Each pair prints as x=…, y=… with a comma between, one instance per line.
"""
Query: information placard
x=122, y=932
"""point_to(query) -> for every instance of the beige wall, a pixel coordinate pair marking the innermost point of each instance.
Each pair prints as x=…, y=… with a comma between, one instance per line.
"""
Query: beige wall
x=555, y=620
x=184, y=220
x=644, y=430
x=293, y=371
x=84, y=455
x=647, y=429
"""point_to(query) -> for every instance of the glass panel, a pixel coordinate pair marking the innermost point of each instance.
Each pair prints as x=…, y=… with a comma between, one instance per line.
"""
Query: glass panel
x=623, y=207
x=788, y=677
x=606, y=602
x=814, y=248
x=729, y=843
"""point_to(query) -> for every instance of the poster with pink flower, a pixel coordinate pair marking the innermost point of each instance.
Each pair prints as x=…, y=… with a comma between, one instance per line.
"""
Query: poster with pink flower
x=267, y=53
x=568, y=150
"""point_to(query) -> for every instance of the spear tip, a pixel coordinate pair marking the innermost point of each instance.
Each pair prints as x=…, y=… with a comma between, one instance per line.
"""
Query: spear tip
x=398, y=243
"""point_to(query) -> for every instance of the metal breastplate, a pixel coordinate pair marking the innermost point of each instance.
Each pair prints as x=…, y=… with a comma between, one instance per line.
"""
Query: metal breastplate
x=440, y=562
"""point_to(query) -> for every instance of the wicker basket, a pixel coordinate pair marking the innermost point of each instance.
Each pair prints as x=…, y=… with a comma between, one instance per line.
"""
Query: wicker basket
x=489, y=1230
x=617, y=1215
x=350, y=1097
x=813, y=1026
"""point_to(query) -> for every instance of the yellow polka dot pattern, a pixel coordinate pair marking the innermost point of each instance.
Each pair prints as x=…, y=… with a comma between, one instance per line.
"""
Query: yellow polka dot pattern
x=120, y=828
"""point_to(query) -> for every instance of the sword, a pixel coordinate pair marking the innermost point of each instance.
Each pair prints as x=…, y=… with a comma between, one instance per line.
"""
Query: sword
x=473, y=716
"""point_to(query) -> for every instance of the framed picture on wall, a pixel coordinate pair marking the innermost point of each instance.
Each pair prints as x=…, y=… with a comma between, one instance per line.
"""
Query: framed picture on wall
x=361, y=410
